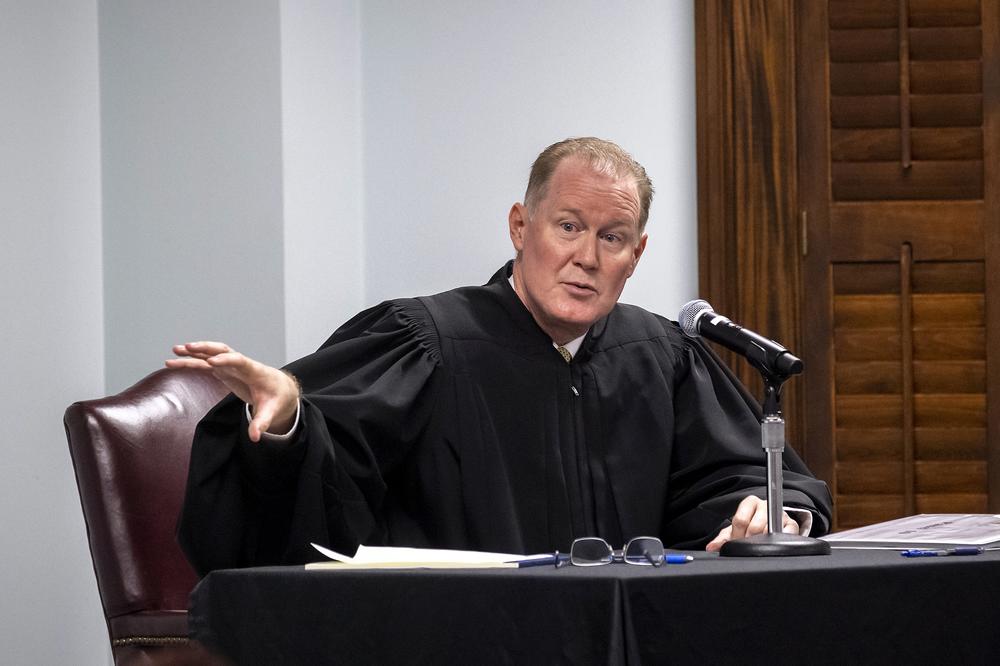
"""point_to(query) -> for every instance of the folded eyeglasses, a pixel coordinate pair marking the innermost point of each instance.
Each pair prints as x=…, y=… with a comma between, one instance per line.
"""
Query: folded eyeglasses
x=595, y=551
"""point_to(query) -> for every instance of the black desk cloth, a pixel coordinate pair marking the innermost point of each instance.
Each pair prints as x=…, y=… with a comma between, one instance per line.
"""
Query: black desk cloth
x=853, y=607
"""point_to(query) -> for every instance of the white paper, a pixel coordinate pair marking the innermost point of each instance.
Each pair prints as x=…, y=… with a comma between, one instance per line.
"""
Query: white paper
x=972, y=529
x=375, y=555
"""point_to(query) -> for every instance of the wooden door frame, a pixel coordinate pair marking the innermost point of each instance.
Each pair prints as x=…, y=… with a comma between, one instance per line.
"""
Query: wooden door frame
x=748, y=236
x=991, y=176
x=747, y=110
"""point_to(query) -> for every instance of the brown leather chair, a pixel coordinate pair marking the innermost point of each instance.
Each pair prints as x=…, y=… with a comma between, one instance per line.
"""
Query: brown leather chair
x=130, y=452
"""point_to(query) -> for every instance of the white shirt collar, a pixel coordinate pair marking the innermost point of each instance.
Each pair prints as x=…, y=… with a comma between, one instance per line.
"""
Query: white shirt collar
x=573, y=346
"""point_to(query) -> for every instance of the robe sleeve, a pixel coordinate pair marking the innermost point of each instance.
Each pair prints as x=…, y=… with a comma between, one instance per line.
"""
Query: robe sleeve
x=717, y=457
x=367, y=396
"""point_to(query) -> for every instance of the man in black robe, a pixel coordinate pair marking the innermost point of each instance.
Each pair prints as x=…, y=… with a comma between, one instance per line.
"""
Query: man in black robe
x=512, y=417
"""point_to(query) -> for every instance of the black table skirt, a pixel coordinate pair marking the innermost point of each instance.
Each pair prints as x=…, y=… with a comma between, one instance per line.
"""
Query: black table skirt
x=853, y=607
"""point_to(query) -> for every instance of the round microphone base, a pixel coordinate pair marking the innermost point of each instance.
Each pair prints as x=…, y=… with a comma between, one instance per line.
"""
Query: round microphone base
x=774, y=545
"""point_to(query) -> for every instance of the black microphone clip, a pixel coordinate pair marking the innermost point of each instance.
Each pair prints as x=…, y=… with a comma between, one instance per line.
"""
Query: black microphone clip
x=698, y=319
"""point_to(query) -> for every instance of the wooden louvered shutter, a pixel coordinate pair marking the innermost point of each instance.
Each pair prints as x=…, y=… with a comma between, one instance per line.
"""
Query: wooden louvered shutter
x=899, y=139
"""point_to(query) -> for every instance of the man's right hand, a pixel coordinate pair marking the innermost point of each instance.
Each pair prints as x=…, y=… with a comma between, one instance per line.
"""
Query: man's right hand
x=273, y=395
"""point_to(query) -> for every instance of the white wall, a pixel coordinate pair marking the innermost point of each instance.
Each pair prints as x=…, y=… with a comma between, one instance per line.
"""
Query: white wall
x=307, y=159
x=52, y=350
x=191, y=134
x=461, y=97
x=268, y=168
x=321, y=126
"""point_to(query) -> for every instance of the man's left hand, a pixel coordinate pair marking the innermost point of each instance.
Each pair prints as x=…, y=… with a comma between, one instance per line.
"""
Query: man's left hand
x=750, y=518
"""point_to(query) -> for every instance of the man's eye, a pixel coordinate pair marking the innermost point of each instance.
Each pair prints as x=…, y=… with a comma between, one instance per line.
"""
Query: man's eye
x=612, y=238
x=567, y=226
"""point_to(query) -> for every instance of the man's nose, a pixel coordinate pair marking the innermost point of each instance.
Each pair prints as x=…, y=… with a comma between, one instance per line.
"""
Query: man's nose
x=587, y=253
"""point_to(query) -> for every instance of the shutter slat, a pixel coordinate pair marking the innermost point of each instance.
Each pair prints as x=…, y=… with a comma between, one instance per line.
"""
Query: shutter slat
x=873, y=181
x=951, y=143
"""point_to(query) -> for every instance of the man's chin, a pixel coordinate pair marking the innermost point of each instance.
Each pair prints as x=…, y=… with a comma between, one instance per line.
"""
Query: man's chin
x=582, y=320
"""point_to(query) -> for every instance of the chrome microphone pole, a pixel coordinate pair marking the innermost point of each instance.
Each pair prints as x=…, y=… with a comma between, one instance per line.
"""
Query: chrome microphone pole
x=772, y=435
x=775, y=365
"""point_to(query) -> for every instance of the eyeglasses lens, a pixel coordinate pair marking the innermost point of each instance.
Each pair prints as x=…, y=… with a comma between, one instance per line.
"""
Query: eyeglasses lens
x=644, y=550
x=590, y=551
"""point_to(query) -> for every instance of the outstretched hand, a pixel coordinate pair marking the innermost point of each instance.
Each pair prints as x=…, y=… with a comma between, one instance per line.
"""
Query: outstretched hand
x=273, y=395
x=750, y=518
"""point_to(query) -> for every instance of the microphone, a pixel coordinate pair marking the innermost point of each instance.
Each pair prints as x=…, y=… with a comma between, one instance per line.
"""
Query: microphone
x=698, y=319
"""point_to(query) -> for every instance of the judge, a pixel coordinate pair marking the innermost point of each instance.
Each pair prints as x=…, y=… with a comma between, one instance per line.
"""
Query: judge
x=513, y=416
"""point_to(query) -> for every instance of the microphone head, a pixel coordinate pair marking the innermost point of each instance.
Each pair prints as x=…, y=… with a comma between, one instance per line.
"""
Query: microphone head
x=690, y=313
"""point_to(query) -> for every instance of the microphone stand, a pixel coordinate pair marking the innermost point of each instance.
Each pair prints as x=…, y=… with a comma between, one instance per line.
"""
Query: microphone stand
x=772, y=434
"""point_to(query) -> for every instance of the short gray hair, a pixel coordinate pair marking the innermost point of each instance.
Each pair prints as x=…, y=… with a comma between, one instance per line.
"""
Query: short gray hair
x=603, y=156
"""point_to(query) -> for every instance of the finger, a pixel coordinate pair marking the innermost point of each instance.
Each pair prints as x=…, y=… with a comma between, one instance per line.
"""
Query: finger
x=259, y=424
x=722, y=537
x=206, y=347
x=200, y=349
x=758, y=524
x=229, y=360
x=259, y=420
x=744, y=514
x=789, y=525
x=208, y=344
x=195, y=363
x=180, y=350
x=220, y=368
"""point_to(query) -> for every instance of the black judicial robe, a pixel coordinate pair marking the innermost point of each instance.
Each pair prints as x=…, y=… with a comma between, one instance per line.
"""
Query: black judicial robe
x=451, y=421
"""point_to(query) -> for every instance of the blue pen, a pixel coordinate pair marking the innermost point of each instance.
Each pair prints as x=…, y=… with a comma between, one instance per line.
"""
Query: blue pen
x=961, y=550
x=677, y=559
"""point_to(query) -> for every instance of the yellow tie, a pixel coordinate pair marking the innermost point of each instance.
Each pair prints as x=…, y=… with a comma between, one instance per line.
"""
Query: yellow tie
x=565, y=353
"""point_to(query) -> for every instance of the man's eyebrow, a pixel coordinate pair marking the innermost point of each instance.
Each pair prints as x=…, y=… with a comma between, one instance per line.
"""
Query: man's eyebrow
x=577, y=212
x=616, y=224
x=627, y=225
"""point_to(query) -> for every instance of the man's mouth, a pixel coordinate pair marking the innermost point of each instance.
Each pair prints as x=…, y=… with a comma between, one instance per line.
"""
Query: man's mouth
x=580, y=287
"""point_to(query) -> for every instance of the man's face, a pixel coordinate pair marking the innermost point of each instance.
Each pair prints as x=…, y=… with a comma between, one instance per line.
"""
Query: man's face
x=576, y=248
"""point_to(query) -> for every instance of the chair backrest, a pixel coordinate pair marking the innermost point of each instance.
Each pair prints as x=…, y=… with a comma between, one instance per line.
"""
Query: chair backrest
x=130, y=453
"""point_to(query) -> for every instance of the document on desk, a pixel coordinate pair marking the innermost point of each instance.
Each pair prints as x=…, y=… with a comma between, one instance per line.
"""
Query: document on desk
x=381, y=557
x=935, y=530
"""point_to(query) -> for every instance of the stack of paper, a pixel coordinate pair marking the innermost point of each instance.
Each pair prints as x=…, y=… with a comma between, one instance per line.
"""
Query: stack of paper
x=378, y=557
x=935, y=530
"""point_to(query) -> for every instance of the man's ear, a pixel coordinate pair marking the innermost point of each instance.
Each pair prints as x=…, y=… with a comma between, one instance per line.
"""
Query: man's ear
x=517, y=219
x=640, y=247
